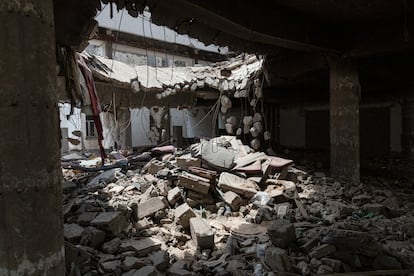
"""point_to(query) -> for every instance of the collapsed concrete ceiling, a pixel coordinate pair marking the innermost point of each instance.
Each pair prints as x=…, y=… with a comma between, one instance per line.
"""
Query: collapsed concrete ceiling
x=297, y=35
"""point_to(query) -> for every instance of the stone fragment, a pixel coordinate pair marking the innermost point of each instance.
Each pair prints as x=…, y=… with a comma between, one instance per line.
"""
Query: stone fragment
x=72, y=232
x=160, y=260
x=233, y=200
x=174, y=195
x=304, y=268
x=186, y=161
x=92, y=237
x=105, y=177
x=141, y=247
x=85, y=218
x=111, y=266
x=143, y=224
x=155, y=166
x=162, y=186
x=324, y=269
x=194, y=182
x=151, y=206
x=111, y=246
x=383, y=262
x=131, y=262
x=333, y=263
x=182, y=214
x=281, y=233
x=322, y=251
x=117, y=189
x=339, y=208
x=277, y=259
x=148, y=270
x=239, y=185
x=113, y=223
x=201, y=233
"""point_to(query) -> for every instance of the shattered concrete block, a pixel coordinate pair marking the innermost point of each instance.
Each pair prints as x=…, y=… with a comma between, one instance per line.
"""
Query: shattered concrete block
x=92, y=237
x=110, y=266
x=281, y=233
x=194, y=182
x=182, y=214
x=160, y=260
x=324, y=269
x=141, y=247
x=131, y=262
x=201, y=233
x=85, y=218
x=111, y=222
x=162, y=186
x=277, y=259
x=239, y=185
x=151, y=206
x=333, y=263
x=155, y=166
x=117, y=189
x=322, y=251
x=72, y=232
x=186, y=161
x=105, y=177
x=195, y=195
x=111, y=246
x=148, y=270
x=383, y=262
x=143, y=224
x=174, y=195
x=233, y=200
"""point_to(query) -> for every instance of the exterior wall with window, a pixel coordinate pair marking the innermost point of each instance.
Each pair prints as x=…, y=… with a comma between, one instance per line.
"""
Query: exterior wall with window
x=138, y=56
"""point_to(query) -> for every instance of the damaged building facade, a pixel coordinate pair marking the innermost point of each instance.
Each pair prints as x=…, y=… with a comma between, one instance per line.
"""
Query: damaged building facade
x=330, y=77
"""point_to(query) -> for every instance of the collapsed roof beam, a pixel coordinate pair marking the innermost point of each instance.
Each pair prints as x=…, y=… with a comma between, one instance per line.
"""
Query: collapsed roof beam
x=232, y=28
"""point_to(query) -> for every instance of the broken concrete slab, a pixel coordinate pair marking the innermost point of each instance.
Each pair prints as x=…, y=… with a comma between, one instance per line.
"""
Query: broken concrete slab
x=111, y=222
x=239, y=185
x=277, y=259
x=141, y=247
x=150, y=207
x=186, y=161
x=85, y=218
x=72, y=232
x=155, y=166
x=322, y=251
x=92, y=237
x=111, y=246
x=182, y=214
x=131, y=262
x=174, y=195
x=194, y=182
x=160, y=260
x=233, y=200
x=201, y=233
x=105, y=177
x=148, y=270
x=281, y=233
x=111, y=266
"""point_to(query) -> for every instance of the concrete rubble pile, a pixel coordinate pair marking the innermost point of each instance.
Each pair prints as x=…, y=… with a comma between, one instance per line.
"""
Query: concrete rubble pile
x=219, y=208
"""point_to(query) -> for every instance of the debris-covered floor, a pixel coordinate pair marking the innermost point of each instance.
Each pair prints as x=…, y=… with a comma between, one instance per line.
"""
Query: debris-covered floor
x=217, y=208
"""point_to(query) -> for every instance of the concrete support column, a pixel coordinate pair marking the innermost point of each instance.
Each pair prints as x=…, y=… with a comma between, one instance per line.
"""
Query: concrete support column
x=344, y=118
x=407, y=139
x=31, y=225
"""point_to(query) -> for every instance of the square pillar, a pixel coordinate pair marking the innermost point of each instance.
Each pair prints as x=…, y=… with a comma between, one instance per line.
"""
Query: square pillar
x=344, y=91
x=407, y=139
x=31, y=221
